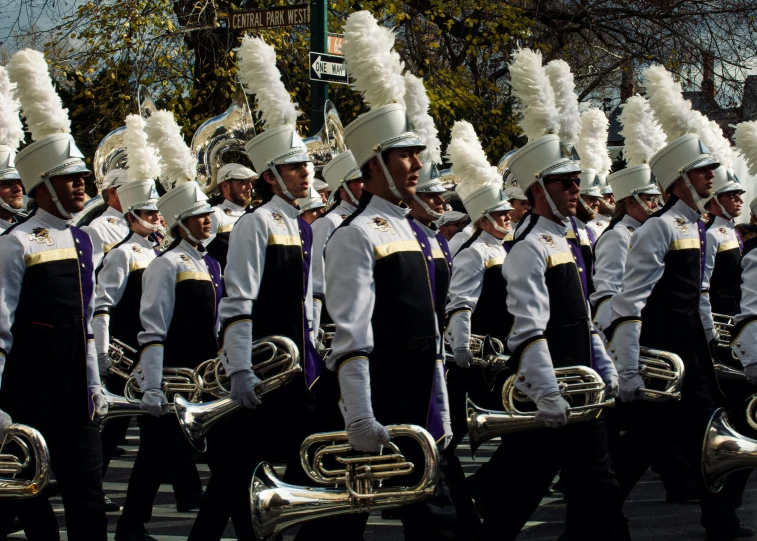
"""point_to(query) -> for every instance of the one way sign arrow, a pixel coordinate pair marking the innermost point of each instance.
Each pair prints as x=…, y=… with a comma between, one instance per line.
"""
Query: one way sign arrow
x=327, y=68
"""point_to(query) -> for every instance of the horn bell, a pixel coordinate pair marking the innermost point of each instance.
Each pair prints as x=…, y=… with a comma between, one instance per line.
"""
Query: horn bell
x=725, y=451
x=329, y=141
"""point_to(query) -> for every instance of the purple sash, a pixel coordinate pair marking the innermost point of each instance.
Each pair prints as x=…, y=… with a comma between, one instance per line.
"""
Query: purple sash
x=575, y=247
x=86, y=269
x=703, y=250
x=313, y=363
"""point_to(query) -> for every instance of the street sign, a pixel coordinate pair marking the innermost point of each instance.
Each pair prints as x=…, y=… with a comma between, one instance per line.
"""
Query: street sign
x=327, y=68
x=266, y=18
x=335, y=43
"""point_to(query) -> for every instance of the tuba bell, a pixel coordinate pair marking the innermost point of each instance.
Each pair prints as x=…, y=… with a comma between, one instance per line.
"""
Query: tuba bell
x=354, y=488
x=329, y=141
x=725, y=451
x=279, y=368
x=488, y=352
x=217, y=136
x=110, y=154
x=31, y=443
x=576, y=383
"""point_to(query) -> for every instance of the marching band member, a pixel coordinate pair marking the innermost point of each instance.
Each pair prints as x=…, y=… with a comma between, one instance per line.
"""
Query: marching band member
x=269, y=293
x=235, y=182
x=11, y=135
x=638, y=198
x=451, y=223
x=476, y=294
x=460, y=238
x=47, y=280
x=595, y=166
x=658, y=307
x=312, y=205
x=518, y=201
x=180, y=293
x=344, y=179
x=119, y=281
x=383, y=307
x=110, y=227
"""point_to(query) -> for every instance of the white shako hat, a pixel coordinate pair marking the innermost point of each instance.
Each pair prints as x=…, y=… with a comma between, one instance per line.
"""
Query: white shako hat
x=11, y=130
x=541, y=158
x=549, y=119
x=138, y=195
x=429, y=180
x=512, y=188
x=312, y=201
x=54, y=151
x=592, y=148
x=340, y=170
x=480, y=186
x=114, y=179
x=725, y=181
x=183, y=201
x=280, y=143
x=376, y=72
x=235, y=171
x=633, y=180
x=679, y=157
x=606, y=188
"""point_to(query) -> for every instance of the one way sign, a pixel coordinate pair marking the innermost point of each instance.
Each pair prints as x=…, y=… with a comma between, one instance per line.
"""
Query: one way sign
x=327, y=68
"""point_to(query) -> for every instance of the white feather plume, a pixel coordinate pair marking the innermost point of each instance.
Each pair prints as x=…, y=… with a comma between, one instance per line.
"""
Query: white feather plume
x=643, y=135
x=666, y=100
x=566, y=100
x=11, y=127
x=260, y=76
x=592, y=143
x=745, y=137
x=40, y=104
x=374, y=66
x=469, y=161
x=417, y=103
x=531, y=86
x=712, y=136
x=177, y=165
x=142, y=162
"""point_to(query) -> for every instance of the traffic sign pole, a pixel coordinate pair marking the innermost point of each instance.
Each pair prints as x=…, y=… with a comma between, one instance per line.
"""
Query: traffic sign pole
x=319, y=91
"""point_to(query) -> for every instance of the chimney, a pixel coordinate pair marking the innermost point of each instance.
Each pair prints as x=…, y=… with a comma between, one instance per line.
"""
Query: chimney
x=708, y=76
x=626, y=81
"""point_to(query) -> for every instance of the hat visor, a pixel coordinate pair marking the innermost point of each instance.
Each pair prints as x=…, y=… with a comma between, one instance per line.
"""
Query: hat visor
x=403, y=141
x=300, y=157
x=71, y=169
x=502, y=206
x=567, y=167
x=431, y=187
x=149, y=205
x=650, y=190
x=731, y=187
x=706, y=162
x=9, y=174
x=202, y=208
x=606, y=191
x=592, y=192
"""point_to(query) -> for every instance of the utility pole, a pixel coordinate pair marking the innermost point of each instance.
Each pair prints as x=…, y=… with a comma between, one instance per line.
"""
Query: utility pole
x=319, y=91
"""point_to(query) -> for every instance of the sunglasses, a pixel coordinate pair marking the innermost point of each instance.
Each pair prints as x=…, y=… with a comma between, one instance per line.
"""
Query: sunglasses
x=566, y=181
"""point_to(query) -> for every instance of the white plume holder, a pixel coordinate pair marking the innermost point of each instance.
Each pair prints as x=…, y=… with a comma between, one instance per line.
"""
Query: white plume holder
x=678, y=157
x=53, y=155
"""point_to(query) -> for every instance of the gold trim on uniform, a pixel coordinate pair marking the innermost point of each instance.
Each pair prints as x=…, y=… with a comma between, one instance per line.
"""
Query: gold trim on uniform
x=59, y=254
x=138, y=265
x=559, y=259
x=284, y=240
x=225, y=228
x=390, y=248
x=494, y=262
x=684, y=244
x=436, y=253
x=192, y=275
x=108, y=247
x=730, y=245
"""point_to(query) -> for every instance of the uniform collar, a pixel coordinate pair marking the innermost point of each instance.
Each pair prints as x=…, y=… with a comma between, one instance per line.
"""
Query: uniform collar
x=110, y=211
x=195, y=253
x=233, y=206
x=384, y=206
x=719, y=221
x=630, y=221
x=53, y=222
x=555, y=228
x=284, y=207
x=490, y=239
x=349, y=207
x=145, y=242
x=687, y=211
x=430, y=232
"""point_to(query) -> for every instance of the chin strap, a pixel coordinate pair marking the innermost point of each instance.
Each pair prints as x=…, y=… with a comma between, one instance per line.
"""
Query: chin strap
x=722, y=208
x=435, y=215
x=190, y=236
x=496, y=227
x=697, y=198
x=283, y=187
x=641, y=202
x=552, y=205
x=389, y=179
x=350, y=195
x=151, y=227
x=586, y=206
x=63, y=212
x=16, y=212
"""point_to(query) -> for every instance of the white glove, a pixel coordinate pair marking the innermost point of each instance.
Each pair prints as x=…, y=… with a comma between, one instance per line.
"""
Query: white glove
x=448, y=434
x=98, y=399
x=612, y=387
x=463, y=357
x=552, y=409
x=712, y=334
x=104, y=362
x=243, y=388
x=629, y=383
x=154, y=401
x=5, y=422
x=750, y=371
x=317, y=309
x=367, y=435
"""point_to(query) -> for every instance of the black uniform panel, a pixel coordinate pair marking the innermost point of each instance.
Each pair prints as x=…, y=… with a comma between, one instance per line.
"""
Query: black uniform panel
x=191, y=336
x=567, y=332
x=125, y=323
x=725, y=283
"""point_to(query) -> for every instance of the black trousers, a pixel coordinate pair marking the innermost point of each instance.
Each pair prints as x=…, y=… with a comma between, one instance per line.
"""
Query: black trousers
x=523, y=467
x=76, y=459
x=164, y=455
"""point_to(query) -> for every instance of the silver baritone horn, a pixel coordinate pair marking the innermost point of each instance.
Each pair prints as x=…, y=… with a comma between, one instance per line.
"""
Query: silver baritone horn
x=725, y=451
x=275, y=360
x=329, y=142
x=277, y=506
x=663, y=374
x=487, y=352
x=580, y=386
x=32, y=444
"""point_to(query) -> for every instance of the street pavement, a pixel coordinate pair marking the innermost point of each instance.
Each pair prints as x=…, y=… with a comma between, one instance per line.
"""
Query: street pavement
x=650, y=517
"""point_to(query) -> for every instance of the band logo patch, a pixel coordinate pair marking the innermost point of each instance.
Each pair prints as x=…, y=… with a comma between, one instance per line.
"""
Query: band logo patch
x=41, y=235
